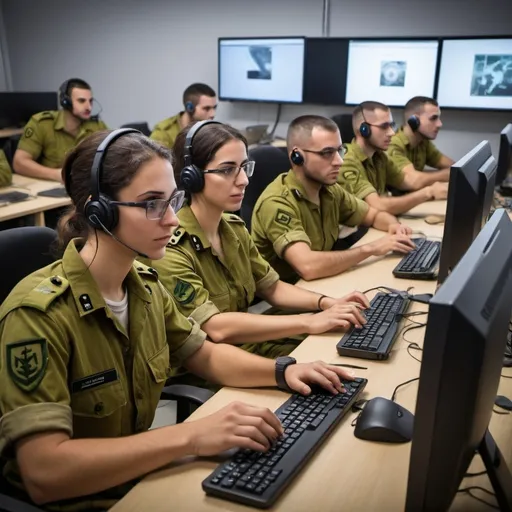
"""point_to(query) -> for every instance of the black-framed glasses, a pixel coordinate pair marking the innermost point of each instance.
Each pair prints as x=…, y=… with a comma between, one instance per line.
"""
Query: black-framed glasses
x=328, y=153
x=384, y=126
x=156, y=208
x=232, y=171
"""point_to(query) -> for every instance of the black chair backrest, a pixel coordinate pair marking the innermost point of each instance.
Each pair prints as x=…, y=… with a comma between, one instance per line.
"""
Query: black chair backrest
x=142, y=126
x=344, y=122
x=10, y=147
x=23, y=251
x=270, y=162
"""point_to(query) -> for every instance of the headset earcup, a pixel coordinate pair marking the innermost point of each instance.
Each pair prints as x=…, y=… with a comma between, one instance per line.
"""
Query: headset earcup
x=101, y=214
x=192, y=179
x=189, y=107
x=365, y=130
x=414, y=123
x=296, y=157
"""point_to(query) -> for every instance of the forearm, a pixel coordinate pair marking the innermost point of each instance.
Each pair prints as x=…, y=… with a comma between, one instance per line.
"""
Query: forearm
x=433, y=176
x=287, y=296
x=401, y=204
x=231, y=366
x=28, y=167
x=85, y=466
x=383, y=220
x=237, y=328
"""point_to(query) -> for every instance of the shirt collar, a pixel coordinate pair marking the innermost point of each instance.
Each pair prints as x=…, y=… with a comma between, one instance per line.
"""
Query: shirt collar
x=59, y=124
x=402, y=136
x=357, y=151
x=83, y=286
x=297, y=189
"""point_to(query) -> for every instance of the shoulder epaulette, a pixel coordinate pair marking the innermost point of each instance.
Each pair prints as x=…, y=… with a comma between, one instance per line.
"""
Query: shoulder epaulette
x=45, y=293
x=231, y=217
x=44, y=116
x=145, y=271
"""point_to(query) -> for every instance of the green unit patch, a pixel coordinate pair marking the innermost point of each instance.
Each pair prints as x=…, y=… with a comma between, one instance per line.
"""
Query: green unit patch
x=27, y=362
x=184, y=292
x=282, y=218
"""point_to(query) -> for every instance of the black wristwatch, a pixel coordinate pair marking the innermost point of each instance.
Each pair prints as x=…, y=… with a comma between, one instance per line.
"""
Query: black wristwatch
x=281, y=364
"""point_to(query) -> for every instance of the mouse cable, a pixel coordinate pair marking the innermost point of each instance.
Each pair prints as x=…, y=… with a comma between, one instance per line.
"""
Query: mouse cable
x=412, y=345
x=480, y=473
x=468, y=490
x=393, y=396
x=506, y=376
x=500, y=412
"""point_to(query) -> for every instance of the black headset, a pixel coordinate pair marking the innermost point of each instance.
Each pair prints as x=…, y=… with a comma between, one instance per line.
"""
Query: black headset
x=191, y=177
x=414, y=122
x=296, y=158
x=99, y=211
x=365, y=129
x=190, y=107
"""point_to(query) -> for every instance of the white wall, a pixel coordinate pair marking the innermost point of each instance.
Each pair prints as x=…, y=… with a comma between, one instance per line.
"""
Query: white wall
x=139, y=56
x=5, y=77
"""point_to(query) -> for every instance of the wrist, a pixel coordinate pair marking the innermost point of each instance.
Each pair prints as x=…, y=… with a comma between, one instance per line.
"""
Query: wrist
x=321, y=304
x=429, y=194
x=282, y=364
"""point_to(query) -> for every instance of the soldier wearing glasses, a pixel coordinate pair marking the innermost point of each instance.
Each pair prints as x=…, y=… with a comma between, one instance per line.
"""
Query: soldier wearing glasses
x=368, y=172
x=296, y=220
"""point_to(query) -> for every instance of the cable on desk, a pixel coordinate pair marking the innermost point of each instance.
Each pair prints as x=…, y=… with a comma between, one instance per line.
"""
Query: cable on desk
x=500, y=412
x=480, y=473
x=412, y=345
x=468, y=490
x=393, y=396
x=506, y=376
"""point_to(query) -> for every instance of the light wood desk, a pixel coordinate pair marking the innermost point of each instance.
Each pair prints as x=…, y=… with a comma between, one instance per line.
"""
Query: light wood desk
x=34, y=205
x=9, y=132
x=346, y=473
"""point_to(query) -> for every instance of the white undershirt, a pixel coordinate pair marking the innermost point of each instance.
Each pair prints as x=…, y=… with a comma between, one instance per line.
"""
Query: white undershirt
x=120, y=309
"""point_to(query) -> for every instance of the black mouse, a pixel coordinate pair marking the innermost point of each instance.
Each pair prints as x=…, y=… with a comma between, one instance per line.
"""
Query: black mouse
x=384, y=421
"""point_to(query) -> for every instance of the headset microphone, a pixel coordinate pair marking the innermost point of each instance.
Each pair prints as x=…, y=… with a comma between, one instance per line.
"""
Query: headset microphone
x=94, y=218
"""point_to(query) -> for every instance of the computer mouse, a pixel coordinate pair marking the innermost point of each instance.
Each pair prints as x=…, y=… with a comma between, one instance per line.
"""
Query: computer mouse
x=384, y=421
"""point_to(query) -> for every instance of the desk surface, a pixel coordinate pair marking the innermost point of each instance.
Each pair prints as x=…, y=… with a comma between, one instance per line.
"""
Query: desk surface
x=9, y=132
x=35, y=205
x=346, y=473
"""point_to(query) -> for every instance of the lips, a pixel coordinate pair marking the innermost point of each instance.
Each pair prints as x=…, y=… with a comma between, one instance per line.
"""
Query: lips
x=163, y=238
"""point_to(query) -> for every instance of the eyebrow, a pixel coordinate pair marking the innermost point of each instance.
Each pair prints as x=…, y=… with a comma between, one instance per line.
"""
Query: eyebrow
x=152, y=192
x=234, y=163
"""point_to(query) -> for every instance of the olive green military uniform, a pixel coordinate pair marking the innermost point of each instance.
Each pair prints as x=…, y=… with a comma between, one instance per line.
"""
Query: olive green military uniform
x=401, y=152
x=283, y=215
x=167, y=130
x=203, y=284
x=363, y=175
x=5, y=171
x=47, y=141
x=67, y=364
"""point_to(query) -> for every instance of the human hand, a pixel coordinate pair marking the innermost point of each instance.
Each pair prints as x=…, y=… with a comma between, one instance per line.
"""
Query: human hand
x=398, y=243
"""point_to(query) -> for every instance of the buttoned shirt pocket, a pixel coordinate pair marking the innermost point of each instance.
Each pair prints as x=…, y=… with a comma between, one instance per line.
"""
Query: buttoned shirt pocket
x=160, y=370
x=98, y=411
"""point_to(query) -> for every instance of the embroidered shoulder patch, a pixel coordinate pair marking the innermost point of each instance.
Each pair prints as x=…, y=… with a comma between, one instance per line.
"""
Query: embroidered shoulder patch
x=184, y=292
x=282, y=218
x=27, y=362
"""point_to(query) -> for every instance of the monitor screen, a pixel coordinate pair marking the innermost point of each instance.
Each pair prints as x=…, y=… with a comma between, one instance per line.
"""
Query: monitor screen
x=505, y=155
x=270, y=69
x=325, y=77
x=476, y=73
x=470, y=195
x=16, y=108
x=460, y=373
x=391, y=71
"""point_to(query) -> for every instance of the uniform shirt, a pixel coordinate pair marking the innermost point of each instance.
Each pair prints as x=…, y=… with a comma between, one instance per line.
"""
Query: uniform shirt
x=202, y=283
x=47, y=141
x=67, y=364
x=283, y=215
x=401, y=152
x=167, y=130
x=363, y=175
x=5, y=171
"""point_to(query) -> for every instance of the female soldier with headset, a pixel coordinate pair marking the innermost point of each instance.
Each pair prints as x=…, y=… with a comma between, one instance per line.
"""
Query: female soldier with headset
x=87, y=343
x=212, y=267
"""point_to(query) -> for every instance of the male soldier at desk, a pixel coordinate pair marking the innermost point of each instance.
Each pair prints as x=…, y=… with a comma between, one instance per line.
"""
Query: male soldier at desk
x=412, y=148
x=48, y=136
x=5, y=170
x=200, y=104
x=295, y=221
x=368, y=171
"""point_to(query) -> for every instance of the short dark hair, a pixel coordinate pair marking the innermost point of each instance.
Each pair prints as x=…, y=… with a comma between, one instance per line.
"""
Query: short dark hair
x=369, y=106
x=304, y=126
x=415, y=105
x=207, y=141
x=193, y=92
x=123, y=160
x=77, y=83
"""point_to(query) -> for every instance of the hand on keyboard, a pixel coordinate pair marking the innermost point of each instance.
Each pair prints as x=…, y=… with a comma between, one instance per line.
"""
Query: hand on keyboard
x=337, y=317
x=439, y=191
x=398, y=243
x=354, y=297
x=237, y=425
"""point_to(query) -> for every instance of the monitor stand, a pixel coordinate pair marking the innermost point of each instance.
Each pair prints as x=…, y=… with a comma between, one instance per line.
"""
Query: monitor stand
x=498, y=472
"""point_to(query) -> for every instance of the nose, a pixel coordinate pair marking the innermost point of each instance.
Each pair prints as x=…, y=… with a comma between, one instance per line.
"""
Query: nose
x=391, y=131
x=170, y=218
x=337, y=160
x=242, y=180
x=439, y=123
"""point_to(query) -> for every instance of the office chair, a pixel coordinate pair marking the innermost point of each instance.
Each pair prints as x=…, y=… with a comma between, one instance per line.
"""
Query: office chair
x=25, y=250
x=142, y=126
x=344, y=122
x=270, y=162
x=10, y=146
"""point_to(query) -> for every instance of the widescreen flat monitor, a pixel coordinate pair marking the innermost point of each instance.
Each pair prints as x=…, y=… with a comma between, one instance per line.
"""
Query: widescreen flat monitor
x=325, y=75
x=470, y=196
x=261, y=69
x=460, y=373
x=476, y=73
x=390, y=71
x=505, y=156
x=16, y=108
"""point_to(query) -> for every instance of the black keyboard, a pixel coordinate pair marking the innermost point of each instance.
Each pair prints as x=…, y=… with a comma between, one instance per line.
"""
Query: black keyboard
x=13, y=197
x=53, y=192
x=376, y=338
x=258, y=479
x=421, y=263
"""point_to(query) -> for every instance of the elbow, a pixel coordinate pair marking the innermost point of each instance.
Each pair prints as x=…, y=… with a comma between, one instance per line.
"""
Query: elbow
x=41, y=487
x=307, y=271
x=216, y=331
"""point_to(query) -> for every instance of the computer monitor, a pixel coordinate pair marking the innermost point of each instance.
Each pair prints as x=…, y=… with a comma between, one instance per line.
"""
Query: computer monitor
x=470, y=195
x=325, y=75
x=16, y=108
x=505, y=156
x=460, y=373
x=476, y=73
x=391, y=71
x=261, y=69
